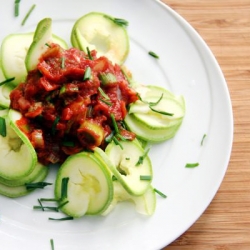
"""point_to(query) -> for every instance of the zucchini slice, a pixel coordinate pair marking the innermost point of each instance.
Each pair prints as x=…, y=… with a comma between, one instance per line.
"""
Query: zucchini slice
x=89, y=187
x=129, y=164
x=18, y=157
x=100, y=32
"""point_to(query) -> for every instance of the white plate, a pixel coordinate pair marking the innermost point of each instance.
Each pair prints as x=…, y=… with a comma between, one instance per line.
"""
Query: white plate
x=186, y=66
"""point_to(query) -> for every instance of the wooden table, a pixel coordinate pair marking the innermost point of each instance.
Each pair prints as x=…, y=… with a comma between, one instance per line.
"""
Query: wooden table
x=225, y=26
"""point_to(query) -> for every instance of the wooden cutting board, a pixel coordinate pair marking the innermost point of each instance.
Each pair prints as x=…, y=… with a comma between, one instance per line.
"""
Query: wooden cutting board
x=225, y=26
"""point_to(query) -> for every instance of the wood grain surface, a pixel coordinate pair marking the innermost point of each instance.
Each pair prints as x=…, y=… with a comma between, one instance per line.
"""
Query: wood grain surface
x=225, y=26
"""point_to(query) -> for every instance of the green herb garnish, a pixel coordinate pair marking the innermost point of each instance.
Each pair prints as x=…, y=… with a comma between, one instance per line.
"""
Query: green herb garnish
x=160, y=193
x=62, y=219
x=47, y=45
x=64, y=188
x=17, y=7
x=114, y=123
x=145, y=177
x=63, y=204
x=106, y=102
x=114, y=178
x=105, y=96
x=142, y=157
x=47, y=208
x=48, y=199
x=153, y=54
x=7, y=80
x=161, y=112
x=63, y=63
x=28, y=14
x=3, y=131
x=35, y=185
x=192, y=165
x=87, y=74
x=203, y=138
x=52, y=244
x=118, y=21
x=116, y=141
x=89, y=54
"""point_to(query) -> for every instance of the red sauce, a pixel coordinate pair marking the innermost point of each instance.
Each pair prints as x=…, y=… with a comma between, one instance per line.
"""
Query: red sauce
x=64, y=114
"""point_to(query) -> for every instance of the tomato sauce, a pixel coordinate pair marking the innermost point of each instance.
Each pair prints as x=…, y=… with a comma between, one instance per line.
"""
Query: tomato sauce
x=67, y=103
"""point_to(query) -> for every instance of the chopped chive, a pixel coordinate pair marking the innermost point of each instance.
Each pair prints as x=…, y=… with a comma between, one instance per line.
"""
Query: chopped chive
x=106, y=97
x=129, y=79
x=114, y=123
x=47, y=45
x=53, y=129
x=48, y=199
x=17, y=7
x=114, y=178
x=64, y=188
x=52, y=244
x=161, y=112
x=145, y=177
x=142, y=157
x=153, y=54
x=3, y=131
x=127, y=158
x=192, y=165
x=63, y=63
x=35, y=185
x=87, y=74
x=106, y=102
x=118, y=21
x=7, y=80
x=62, y=219
x=89, y=54
x=116, y=141
x=160, y=193
x=28, y=14
x=155, y=103
x=47, y=208
x=203, y=138
x=63, y=204
x=39, y=201
x=121, y=137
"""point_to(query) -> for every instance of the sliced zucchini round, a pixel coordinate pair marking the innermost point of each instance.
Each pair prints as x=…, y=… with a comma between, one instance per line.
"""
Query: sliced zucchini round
x=89, y=186
x=100, y=32
x=18, y=157
x=130, y=164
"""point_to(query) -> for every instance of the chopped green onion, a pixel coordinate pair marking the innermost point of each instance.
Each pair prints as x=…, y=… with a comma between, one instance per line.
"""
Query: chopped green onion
x=89, y=54
x=63, y=63
x=41, y=185
x=48, y=199
x=63, y=204
x=64, y=188
x=161, y=112
x=106, y=97
x=43, y=208
x=52, y=244
x=62, y=219
x=3, y=131
x=153, y=54
x=47, y=45
x=155, y=103
x=7, y=80
x=114, y=123
x=17, y=7
x=160, y=193
x=145, y=177
x=114, y=178
x=39, y=201
x=116, y=141
x=106, y=102
x=192, y=165
x=87, y=74
x=203, y=138
x=53, y=129
x=28, y=14
x=118, y=21
x=121, y=137
x=127, y=158
x=130, y=81
x=142, y=157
